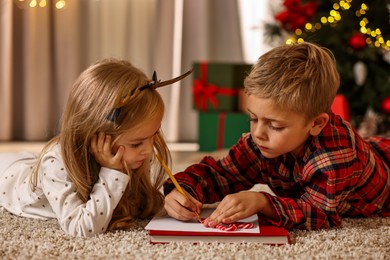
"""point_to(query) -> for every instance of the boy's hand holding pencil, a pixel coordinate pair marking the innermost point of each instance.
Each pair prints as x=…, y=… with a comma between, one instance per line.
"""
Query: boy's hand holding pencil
x=180, y=207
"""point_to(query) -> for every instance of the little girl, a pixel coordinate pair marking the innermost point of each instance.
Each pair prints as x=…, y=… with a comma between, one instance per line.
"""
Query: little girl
x=96, y=174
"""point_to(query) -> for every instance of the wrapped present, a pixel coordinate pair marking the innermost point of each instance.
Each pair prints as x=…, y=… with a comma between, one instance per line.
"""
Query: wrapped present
x=220, y=130
x=216, y=85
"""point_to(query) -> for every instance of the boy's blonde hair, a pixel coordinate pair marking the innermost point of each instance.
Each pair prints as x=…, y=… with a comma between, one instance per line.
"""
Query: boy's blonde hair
x=300, y=77
x=90, y=102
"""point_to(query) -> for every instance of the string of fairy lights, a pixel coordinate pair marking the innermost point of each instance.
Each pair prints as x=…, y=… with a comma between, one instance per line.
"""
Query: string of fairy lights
x=59, y=4
x=374, y=36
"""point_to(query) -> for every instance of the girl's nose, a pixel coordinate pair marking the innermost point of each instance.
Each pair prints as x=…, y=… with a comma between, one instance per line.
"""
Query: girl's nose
x=148, y=147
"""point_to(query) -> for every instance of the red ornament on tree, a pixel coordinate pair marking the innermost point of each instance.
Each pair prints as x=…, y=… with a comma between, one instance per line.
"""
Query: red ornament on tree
x=386, y=105
x=357, y=41
x=296, y=14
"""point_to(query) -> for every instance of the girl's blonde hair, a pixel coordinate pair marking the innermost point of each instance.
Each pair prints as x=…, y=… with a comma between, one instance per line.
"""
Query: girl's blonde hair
x=300, y=77
x=90, y=102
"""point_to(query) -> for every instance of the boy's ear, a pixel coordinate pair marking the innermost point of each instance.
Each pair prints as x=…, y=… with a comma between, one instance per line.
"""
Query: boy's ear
x=318, y=123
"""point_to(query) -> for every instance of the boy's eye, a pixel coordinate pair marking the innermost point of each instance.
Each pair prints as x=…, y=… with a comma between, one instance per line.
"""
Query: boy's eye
x=252, y=119
x=276, y=128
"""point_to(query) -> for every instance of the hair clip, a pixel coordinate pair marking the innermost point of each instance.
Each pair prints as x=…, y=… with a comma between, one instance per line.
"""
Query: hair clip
x=155, y=83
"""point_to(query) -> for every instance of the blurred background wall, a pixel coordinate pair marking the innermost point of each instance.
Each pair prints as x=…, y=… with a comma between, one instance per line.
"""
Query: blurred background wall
x=46, y=44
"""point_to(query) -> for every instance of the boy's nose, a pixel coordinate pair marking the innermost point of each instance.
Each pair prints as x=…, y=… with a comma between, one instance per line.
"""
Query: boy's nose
x=260, y=132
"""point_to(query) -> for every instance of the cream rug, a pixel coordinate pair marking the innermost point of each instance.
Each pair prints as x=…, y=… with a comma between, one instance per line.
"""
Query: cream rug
x=22, y=238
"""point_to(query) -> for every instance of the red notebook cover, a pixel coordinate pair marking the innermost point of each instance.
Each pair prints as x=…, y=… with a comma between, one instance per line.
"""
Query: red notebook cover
x=268, y=235
x=166, y=229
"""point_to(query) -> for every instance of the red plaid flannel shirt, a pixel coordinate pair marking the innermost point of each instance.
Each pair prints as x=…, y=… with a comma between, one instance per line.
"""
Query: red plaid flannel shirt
x=336, y=174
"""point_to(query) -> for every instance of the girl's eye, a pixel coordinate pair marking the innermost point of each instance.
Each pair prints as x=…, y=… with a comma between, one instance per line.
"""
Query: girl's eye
x=136, y=145
x=252, y=119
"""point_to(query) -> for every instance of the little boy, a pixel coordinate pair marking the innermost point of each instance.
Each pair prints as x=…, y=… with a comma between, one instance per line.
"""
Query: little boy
x=317, y=165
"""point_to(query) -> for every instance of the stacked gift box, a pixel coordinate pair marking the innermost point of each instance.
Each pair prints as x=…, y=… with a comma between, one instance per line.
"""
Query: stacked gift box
x=217, y=92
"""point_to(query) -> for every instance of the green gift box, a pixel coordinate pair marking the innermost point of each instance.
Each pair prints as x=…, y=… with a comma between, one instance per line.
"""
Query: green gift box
x=216, y=85
x=220, y=130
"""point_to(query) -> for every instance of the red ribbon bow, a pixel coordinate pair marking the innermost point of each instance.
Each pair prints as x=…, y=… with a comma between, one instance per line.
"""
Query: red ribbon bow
x=204, y=91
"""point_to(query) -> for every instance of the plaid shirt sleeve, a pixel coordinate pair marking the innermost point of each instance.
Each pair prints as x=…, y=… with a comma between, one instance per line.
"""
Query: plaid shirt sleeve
x=211, y=180
x=337, y=174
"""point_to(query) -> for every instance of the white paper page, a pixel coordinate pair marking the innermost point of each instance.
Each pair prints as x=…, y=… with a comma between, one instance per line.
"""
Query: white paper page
x=170, y=224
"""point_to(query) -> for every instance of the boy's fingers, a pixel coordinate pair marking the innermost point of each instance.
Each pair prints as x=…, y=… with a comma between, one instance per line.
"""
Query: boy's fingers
x=174, y=213
x=185, y=200
x=218, y=216
x=179, y=206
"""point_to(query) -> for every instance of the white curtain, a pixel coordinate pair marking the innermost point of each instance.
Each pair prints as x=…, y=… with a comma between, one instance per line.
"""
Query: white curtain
x=254, y=15
x=42, y=51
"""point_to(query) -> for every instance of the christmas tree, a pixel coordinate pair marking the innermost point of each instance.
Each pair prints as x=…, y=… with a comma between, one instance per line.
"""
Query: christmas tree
x=358, y=34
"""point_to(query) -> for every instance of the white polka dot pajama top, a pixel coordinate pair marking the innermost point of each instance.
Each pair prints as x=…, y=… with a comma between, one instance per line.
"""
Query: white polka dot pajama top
x=55, y=195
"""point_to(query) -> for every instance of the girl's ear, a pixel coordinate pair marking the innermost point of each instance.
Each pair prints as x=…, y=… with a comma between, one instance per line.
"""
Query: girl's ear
x=318, y=123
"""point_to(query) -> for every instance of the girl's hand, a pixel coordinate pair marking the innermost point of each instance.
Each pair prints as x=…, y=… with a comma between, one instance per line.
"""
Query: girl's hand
x=101, y=150
x=180, y=207
x=235, y=207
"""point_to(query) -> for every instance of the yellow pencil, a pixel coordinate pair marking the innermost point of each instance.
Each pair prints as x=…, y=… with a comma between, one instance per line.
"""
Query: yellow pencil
x=177, y=185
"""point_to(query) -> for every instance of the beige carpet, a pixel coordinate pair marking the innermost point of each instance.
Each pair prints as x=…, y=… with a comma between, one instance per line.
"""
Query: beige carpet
x=22, y=238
